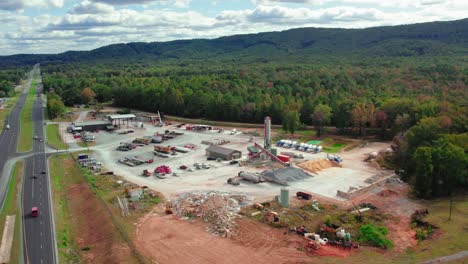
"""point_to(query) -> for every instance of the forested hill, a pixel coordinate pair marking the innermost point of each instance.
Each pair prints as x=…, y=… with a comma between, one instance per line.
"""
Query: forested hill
x=434, y=38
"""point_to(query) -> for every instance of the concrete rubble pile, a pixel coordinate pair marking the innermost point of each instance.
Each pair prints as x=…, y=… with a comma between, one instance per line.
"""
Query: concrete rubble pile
x=217, y=208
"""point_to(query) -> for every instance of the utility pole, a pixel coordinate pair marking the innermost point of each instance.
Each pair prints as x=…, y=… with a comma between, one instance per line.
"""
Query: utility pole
x=450, y=207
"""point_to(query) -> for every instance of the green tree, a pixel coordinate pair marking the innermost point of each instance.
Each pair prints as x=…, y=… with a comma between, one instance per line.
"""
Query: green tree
x=55, y=106
x=291, y=121
x=322, y=116
x=424, y=171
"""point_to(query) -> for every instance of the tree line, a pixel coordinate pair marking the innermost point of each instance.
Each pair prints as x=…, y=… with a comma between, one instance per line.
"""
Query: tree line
x=406, y=99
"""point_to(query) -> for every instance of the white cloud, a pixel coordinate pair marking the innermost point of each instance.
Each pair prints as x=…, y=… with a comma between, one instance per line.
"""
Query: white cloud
x=15, y=5
x=90, y=24
x=87, y=7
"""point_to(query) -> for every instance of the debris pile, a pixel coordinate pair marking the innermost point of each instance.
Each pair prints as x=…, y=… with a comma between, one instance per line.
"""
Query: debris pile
x=315, y=166
x=217, y=208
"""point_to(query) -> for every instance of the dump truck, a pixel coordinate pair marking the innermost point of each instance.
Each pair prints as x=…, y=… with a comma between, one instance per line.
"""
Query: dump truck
x=165, y=150
x=145, y=141
x=180, y=149
x=144, y=160
x=161, y=155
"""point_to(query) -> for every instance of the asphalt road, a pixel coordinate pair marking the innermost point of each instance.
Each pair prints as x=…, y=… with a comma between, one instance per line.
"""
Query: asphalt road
x=39, y=242
x=8, y=140
x=38, y=232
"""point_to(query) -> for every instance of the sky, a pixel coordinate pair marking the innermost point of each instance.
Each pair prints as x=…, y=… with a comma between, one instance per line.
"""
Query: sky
x=54, y=26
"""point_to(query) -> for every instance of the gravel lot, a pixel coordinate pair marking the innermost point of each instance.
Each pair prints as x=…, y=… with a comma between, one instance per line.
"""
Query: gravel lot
x=353, y=173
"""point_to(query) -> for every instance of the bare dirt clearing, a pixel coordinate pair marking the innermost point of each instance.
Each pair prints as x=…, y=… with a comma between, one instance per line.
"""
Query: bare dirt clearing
x=168, y=239
x=393, y=199
x=95, y=228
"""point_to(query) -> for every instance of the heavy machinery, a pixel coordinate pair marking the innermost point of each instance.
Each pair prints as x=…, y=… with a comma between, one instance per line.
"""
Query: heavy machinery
x=161, y=149
x=168, y=209
x=234, y=181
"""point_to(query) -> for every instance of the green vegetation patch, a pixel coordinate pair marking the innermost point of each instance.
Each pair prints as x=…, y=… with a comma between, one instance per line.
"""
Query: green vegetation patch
x=26, y=125
x=374, y=236
x=53, y=137
x=333, y=145
x=11, y=208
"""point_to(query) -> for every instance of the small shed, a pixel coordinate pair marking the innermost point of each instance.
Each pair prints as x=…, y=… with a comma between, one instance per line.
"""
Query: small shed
x=219, y=152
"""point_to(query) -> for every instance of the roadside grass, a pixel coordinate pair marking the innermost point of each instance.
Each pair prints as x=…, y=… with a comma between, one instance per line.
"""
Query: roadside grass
x=86, y=144
x=4, y=112
x=26, y=125
x=449, y=239
x=65, y=172
x=11, y=208
x=61, y=177
x=53, y=137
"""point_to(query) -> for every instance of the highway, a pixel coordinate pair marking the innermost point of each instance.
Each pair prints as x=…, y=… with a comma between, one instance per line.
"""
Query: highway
x=8, y=140
x=38, y=232
x=39, y=242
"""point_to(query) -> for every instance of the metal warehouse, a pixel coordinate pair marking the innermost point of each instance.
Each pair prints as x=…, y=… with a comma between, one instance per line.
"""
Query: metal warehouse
x=93, y=125
x=119, y=120
x=219, y=152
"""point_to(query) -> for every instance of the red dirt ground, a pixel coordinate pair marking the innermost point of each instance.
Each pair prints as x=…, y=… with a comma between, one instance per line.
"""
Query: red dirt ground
x=97, y=230
x=168, y=239
x=393, y=199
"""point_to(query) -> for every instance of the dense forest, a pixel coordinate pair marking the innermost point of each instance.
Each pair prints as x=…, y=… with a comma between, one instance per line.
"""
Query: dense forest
x=407, y=83
x=9, y=77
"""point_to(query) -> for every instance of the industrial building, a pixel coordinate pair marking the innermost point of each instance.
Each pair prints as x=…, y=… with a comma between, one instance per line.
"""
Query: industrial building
x=91, y=126
x=219, y=152
x=118, y=120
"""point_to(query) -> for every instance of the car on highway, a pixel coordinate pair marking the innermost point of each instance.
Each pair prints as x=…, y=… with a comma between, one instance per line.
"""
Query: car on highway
x=7, y=126
x=34, y=212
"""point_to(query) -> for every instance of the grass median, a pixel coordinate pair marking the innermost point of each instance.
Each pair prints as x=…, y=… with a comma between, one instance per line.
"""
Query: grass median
x=53, y=137
x=11, y=208
x=26, y=124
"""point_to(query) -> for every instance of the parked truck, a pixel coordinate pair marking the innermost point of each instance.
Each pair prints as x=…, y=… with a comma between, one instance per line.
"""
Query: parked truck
x=304, y=195
x=161, y=149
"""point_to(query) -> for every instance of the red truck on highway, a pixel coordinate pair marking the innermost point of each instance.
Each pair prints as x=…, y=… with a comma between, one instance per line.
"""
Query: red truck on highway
x=34, y=212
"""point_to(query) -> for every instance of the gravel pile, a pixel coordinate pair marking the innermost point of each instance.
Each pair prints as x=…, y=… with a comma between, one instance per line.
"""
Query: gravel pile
x=285, y=175
x=217, y=208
